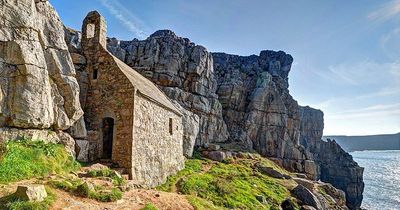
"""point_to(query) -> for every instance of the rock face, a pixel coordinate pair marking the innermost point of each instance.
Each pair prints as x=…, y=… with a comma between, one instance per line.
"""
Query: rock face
x=260, y=112
x=258, y=108
x=336, y=166
x=184, y=71
x=38, y=88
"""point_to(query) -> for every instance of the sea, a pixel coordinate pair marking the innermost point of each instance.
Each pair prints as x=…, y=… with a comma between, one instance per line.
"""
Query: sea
x=381, y=178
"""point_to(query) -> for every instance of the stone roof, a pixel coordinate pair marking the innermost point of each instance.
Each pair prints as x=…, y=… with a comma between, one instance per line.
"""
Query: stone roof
x=145, y=86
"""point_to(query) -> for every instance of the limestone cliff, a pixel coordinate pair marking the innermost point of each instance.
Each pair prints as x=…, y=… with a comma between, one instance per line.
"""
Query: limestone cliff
x=38, y=88
x=336, y=166
x=259, y=111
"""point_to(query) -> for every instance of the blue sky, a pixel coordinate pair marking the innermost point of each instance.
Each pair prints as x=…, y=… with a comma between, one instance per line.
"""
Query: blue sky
x=346, y=53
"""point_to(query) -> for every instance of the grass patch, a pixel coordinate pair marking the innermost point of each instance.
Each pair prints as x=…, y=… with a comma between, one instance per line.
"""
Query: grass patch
x=201, y=204
x=191, y=166
x=106, y=172
x=149, y=206
x=27, y=159
x=12, y=203
x=106, y=196
x=78, y=187
x=233, y=185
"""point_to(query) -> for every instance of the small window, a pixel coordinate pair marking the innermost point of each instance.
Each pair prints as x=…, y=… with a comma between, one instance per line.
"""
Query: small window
x=171, y=126
x=90, y=30
x=95, y=74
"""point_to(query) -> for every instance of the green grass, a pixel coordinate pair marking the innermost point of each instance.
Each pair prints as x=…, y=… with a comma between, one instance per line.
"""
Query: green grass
x=106, y=172
x=12, y=203
x=27, y=159
x=201, y=204
x=76, y=186
x=233, y=185
x=106, y=196
x=191, y=166
x=149, y=206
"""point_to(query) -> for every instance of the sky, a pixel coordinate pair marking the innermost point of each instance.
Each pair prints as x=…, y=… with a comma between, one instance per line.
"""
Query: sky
x=346, y=53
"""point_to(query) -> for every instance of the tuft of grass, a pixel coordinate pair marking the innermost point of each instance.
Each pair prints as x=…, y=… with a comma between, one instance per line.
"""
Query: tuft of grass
x=149, y=206
x=106, y=195
x=106, y=172
x=98, y=193
x=201, y=204
x=191, y=166
x=13, y=203
x=26, y=159
x=235, y=184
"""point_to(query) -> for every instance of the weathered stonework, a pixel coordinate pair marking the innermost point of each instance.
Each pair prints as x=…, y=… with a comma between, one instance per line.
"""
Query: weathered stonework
x=155, y=155
x=128, y=118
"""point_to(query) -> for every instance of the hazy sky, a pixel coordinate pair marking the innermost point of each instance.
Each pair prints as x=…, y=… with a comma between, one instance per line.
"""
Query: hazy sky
x=346, y=53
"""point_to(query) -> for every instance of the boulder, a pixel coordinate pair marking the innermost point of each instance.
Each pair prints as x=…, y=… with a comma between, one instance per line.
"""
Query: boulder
x=306, y=183
x=269, y=171
x=261, y=199
x=306, y=196
x=305, y=207
x=288, y=204
x=34, y=193
x=217, y=155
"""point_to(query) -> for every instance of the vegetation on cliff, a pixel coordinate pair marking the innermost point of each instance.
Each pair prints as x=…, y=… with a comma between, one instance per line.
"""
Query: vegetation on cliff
x=26, y=159
x=235, y=184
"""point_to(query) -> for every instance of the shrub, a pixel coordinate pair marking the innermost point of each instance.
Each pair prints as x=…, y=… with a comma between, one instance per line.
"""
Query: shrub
x=28, y=159
x=149, y=206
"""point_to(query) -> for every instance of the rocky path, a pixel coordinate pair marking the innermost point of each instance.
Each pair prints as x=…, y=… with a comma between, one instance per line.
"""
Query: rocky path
x=134, y=199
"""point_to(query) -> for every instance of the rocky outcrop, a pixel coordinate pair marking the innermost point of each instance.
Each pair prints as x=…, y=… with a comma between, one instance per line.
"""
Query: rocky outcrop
x=336, y=166
x=260, y=112
x=38, y=89
x=258, y=109
x=318, y=195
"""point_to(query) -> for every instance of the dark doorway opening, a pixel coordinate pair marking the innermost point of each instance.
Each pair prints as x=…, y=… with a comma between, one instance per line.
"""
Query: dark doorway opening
x=108, y=133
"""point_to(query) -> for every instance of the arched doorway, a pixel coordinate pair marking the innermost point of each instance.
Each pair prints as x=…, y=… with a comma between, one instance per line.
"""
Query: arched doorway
x=108, y=133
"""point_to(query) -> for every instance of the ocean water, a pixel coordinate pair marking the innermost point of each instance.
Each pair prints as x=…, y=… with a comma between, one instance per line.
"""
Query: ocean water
x=381, y=178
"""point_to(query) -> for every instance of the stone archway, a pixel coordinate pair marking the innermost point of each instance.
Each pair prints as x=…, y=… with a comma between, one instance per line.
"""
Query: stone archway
x=108, y=133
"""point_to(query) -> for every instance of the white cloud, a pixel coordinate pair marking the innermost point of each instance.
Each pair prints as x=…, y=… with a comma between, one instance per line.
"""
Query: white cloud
x=132, y=23
x=381, y=93
x=363, y=73
x=379, y=109
x=390, y=44
x=376, y=119
x=386, y=12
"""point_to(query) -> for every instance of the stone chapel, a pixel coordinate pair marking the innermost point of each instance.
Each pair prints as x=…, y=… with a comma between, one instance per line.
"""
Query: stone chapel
x=130, y=121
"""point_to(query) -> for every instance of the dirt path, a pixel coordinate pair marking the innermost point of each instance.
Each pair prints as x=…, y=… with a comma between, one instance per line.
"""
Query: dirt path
x=132, y=200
